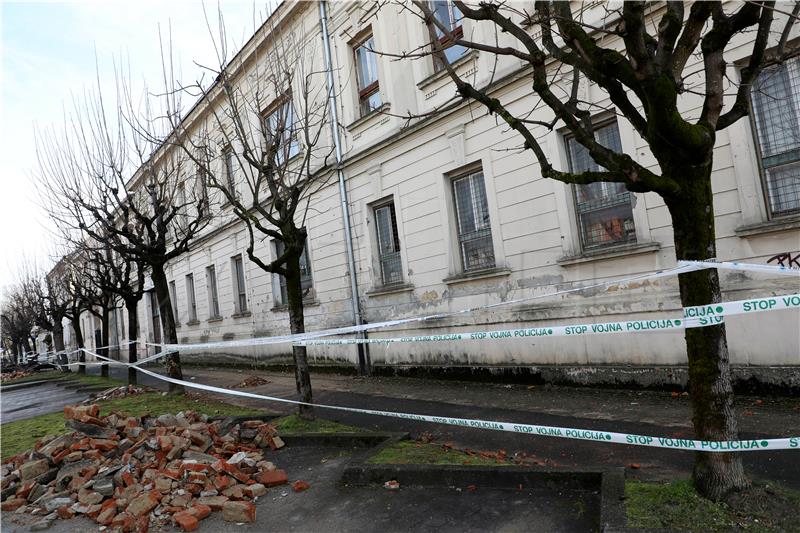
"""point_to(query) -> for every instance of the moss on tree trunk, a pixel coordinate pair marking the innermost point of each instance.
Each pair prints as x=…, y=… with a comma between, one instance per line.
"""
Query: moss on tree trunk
x=713, y=417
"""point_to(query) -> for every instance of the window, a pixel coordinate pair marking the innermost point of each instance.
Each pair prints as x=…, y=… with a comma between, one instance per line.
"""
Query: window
x=227, y=157
x=281, y=122
x=472, y=217
x=306, y=281
x=240, y=294
x=191, y=302
x=450, y=17
x=388, y=244
x=180, y=201
x=776, y=114
x=155, y=315
x=213, y=297
x=369, y=96
x=605, y=212
x=174, y=297
x=202, y=182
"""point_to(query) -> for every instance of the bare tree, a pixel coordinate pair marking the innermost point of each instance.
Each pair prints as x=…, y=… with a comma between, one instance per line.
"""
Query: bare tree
x=263, y=147
x=107, y=177
x=647, y=59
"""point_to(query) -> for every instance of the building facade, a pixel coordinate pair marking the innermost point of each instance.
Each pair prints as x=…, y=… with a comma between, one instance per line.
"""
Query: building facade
x=448, y=213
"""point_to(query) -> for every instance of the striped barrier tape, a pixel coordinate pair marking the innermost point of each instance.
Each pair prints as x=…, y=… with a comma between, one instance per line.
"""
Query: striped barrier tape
x=693, y=317
x=786, y=443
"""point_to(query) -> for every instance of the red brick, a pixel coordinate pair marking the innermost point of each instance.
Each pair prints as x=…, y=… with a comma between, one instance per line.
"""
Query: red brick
x=272, y=478
x=13, y=504
x=142, y=505
x=186, y=520
x=300, y=485
x=239, y=512
x=123, y=521
x=64, y=512
x=200, y=511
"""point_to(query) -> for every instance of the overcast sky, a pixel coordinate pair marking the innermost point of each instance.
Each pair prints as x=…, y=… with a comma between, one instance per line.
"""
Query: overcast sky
x=47, y=56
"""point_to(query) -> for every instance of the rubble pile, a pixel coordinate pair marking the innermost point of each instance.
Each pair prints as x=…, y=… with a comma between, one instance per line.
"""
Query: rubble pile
x=118, y=392
x=251, y=381
x=129, y=474
x=16, y=374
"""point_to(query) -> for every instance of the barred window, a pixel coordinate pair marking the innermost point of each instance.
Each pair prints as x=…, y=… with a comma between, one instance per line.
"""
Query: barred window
x=472, y=217
x=776, y=113
x=239, y=291
x=191, y=302
x=213, y=297
x=306, y=281
x=605, y=211
x=369, y=96
x=388, y=244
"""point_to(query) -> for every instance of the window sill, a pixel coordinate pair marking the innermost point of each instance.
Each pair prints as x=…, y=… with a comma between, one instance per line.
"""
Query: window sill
x=436, y=76
x=390, y=289
x=622, y=250
x=474, y=275
x=791, y=222
x=243, y=314
x=194, y=322
x=285, y=307
x=214, y=319
x=369, y=117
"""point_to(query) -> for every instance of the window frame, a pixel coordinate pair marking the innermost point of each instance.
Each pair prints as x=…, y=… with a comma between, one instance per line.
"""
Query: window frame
x=633, y=237
x=365, y=92
x=754, y=126
x=240, y=302
x=456, y=28
x=228, y=163
x=306, y=281
x=289, y=129
x=213, y=292
x=395, y=234
x=472, y=174
x=191, y=301
x=173, y=294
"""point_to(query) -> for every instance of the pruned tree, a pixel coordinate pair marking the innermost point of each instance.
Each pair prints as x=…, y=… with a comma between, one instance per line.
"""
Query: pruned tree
x=263, y=148
x=106, y=177
x=18, y=319
x=649, y=60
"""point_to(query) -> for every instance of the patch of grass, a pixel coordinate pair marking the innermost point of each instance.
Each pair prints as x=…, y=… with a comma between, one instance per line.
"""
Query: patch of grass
x=295, y=424
x=18, y=436
x=677, y=506
x=409, y=452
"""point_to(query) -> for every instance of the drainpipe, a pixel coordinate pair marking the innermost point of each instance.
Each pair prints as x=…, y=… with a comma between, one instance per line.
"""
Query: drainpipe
x=363, y=354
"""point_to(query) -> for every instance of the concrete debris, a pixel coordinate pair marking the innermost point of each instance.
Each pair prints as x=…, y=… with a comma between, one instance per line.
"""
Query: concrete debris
x=118, y=392
x=128, y=474
x=252, y=381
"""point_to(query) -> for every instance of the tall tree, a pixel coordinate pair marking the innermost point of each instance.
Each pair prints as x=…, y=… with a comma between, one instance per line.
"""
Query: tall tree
x=107, y=177
x=648, y=60
x=261, y=148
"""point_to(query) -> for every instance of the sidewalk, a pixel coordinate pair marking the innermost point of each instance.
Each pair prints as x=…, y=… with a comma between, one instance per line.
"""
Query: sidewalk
x=640, y=412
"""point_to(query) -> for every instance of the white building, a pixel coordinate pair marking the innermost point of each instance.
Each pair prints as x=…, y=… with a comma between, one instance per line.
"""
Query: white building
x=446, y=215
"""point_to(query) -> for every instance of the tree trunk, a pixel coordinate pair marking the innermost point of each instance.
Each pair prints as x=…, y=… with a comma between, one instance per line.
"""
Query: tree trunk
x=302, y=376
x=715, y=474
x=58, y=337
x=171, y=360
x=133, y=333
x=76, y=328
x=105, y=339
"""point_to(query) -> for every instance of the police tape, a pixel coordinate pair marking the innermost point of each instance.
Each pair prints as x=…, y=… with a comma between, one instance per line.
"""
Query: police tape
x=283, y=339
x=750, y=267
x=693, y=317
x=760, y=444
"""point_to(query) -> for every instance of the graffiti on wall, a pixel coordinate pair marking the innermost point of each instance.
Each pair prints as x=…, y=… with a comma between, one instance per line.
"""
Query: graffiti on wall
x=786, y=259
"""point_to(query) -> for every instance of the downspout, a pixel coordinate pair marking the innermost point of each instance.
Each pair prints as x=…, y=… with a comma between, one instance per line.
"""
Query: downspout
x=363, y=355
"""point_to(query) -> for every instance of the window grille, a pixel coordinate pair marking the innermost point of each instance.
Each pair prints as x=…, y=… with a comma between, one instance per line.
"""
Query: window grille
x=388, y=245
x=604, y=209
x=474, y=228
x=213, y=297
x=776, y=113
x=306, y=281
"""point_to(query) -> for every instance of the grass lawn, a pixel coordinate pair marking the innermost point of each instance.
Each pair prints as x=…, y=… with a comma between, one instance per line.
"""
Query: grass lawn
x=295, y=424
x=676, y=505
x=409, y=452
x=18, y=436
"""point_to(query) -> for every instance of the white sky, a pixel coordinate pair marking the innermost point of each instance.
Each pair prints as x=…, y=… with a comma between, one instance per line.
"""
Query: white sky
x=47, y=55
